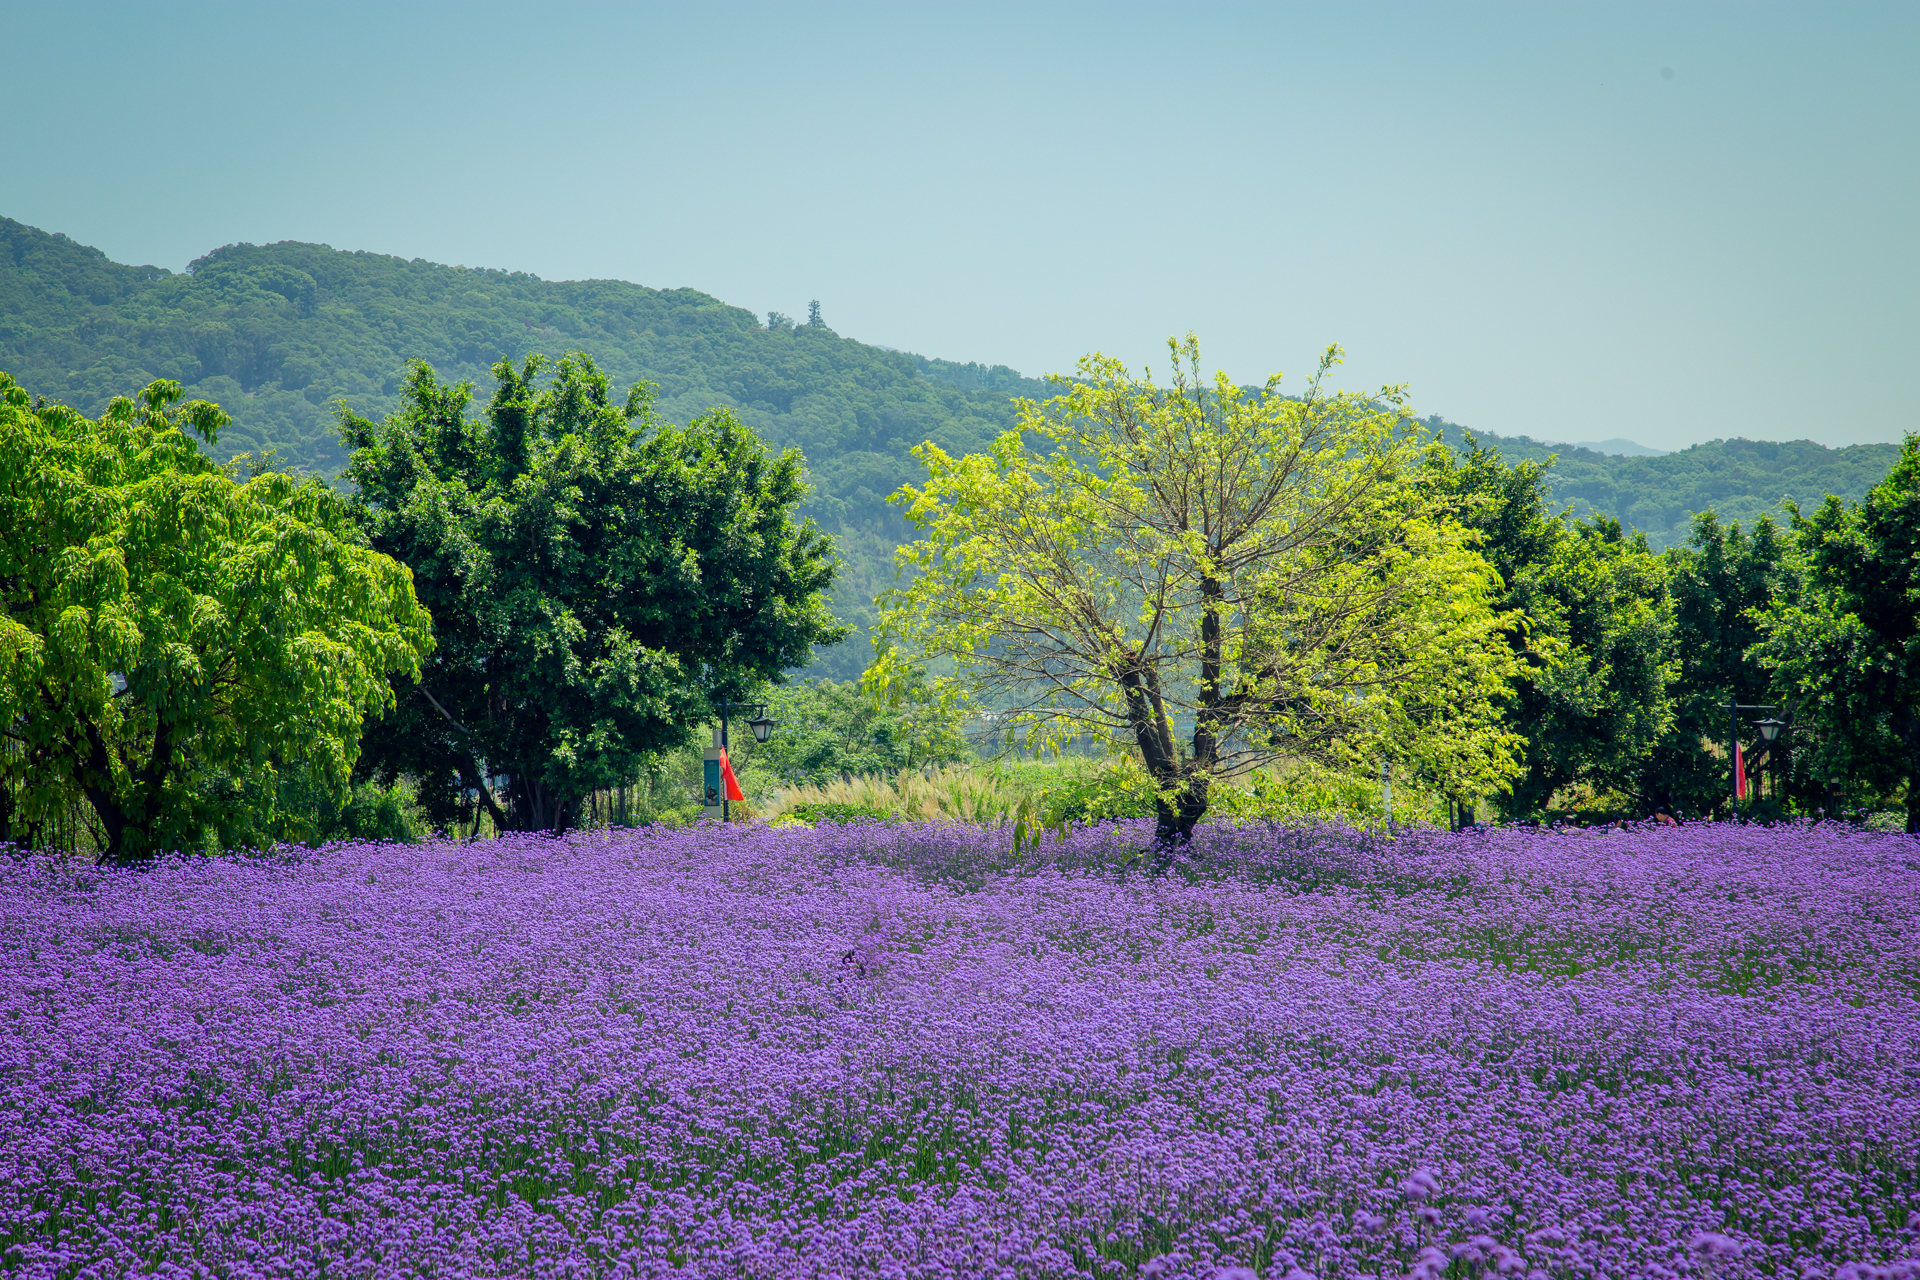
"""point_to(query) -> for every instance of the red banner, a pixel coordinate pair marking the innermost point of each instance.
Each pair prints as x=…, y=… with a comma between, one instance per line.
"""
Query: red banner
x=1739, y=772
x=732, y=784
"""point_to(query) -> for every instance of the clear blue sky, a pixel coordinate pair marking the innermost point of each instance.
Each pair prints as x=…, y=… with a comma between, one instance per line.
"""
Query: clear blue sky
x=1670, y=222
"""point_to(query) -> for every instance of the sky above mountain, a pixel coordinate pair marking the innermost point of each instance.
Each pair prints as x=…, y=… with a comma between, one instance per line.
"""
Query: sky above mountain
x=1573, y=222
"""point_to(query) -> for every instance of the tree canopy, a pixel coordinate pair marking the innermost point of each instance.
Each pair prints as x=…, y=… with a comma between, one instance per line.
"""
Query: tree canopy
x=1722, y=581
x=1846, y=654
x=1593, y=627
x=280, y=333
x=830, y=728
x=597, y=576
x=1264, y=575
x=173, y=639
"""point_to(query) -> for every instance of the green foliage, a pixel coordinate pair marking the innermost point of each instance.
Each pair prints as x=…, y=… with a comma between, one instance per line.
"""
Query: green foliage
x=279, y=334
x=829, y=728
x=598, y=577
x=366, y=811
x=1847, y=655
x=173, y=639
x=1307, y=792
x=1739, y=480
x=1269, y=573
x=1120, y=790
x=1722, y=580
x=957, y=793
x=1594, y=628
x=838, y=814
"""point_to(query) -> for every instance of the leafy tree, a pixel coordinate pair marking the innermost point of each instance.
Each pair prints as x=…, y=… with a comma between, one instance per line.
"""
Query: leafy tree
x=813, y=315
x=1847, y=655
x=172, y=639
x=289, y=330
x=1593, y=627
x=1595, y=702
x=1737, y=479
x=1722, y=581
x=1266, y=574
x=829, y=728
x=597, y=576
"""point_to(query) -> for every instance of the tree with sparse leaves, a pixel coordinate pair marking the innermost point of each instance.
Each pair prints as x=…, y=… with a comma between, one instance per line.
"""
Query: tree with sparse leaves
x=1219, y=578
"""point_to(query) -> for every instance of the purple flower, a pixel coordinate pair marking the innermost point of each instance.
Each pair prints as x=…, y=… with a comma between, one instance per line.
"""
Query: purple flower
x=1711, y=1244
x=1419, y=1185
x=655, y=1054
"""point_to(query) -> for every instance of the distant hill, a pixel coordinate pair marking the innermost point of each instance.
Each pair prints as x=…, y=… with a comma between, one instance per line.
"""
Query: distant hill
x=278, y=333
x=1658, y=494
x=1622, y=448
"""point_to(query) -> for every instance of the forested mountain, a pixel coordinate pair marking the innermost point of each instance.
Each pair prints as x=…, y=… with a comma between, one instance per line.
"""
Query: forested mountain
x=277, y=334
x=1737, y=479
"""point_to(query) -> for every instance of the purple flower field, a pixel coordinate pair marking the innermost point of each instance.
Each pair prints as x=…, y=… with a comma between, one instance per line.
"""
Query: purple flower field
x=889, y=1051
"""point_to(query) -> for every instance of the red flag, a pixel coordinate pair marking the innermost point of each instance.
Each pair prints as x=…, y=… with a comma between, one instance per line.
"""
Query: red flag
x=732, y=784
x=1739, y=772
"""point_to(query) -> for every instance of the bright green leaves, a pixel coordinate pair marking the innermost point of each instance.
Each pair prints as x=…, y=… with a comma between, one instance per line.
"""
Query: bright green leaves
x=1592, y=623
x=167, y=626
x=1263, y=575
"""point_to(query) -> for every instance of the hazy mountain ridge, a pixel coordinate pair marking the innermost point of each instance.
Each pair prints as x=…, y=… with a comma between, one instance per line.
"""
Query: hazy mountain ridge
x=1738, y=479
x=277, y=334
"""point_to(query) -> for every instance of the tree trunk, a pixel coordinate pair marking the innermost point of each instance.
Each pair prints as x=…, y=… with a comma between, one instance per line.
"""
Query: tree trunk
x=1913, y=802
x=96, y=783
x=540, y=809
x=1192, y=799
x=1182, y=794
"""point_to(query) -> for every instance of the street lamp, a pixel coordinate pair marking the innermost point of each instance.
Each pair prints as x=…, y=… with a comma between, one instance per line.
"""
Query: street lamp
x=1769, y=728
x=762, y=729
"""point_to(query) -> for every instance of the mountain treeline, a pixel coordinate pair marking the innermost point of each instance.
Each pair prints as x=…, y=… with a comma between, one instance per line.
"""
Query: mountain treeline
x=1736, y=479
x=283, y=336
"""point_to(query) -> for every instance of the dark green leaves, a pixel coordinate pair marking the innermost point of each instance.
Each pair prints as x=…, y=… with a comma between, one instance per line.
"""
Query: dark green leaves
x=597, y=576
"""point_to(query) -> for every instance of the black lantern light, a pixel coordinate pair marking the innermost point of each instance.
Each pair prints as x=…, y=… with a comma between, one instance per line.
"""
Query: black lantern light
x=762, y=728
x=1769, y=728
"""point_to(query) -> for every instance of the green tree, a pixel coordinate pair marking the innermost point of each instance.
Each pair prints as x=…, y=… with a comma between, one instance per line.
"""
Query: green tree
x=829, y=728
x=1847, y=655
x=1267, y=576
x=173, y=639
x=1594, y=628
x=1723, y=580
x=598, y=576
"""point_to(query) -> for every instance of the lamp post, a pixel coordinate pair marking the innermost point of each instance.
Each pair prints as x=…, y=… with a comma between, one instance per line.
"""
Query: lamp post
x=1770, y=730
x=762, y=729
x=1733, y=747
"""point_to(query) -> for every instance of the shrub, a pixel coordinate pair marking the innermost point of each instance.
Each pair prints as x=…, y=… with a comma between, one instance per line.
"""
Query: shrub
x=828, y=811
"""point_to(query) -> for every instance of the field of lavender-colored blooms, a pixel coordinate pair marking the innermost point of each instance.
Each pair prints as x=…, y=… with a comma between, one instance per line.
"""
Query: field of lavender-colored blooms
x=890, y=1051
